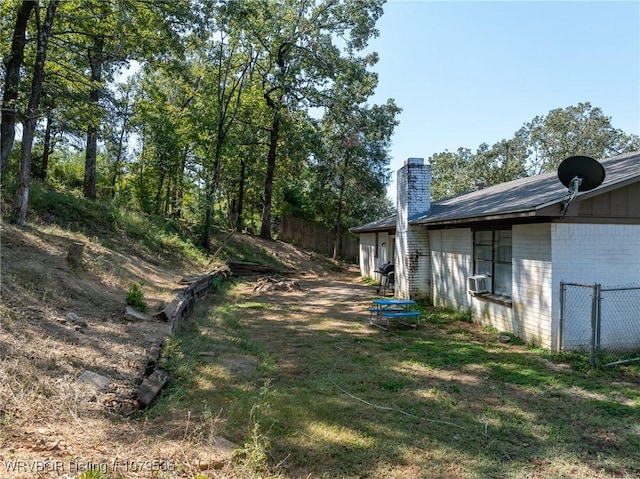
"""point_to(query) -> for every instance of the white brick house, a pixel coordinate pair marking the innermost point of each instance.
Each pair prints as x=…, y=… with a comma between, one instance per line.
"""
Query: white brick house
x=517, y=235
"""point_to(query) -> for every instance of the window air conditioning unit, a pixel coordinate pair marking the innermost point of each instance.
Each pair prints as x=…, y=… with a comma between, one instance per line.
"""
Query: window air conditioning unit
x=478, y=283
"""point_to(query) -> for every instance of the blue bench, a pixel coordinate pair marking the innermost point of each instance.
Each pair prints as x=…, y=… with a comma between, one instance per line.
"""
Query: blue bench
x=387, y=314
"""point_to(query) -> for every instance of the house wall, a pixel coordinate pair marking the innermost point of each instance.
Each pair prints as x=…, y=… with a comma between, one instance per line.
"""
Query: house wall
x=595, y=253
x=533, y=296
x=413, y=265
x=530, y=314
x=370, y=259
x=451, y=260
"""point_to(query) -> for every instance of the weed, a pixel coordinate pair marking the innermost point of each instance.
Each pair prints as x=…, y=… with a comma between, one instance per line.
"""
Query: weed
x=253, y=458
x=513, y=338
x=92, y=474
x=135, y=297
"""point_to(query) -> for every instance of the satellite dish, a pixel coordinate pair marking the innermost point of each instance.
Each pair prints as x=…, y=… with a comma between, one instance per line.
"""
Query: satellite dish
x=579, y=173
x=590, y=172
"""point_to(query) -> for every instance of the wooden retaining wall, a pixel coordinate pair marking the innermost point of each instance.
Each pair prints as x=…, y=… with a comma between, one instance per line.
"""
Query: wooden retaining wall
x=177, y=312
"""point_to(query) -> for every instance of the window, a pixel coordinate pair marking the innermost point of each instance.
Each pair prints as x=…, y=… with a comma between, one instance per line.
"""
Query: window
x=492, y=253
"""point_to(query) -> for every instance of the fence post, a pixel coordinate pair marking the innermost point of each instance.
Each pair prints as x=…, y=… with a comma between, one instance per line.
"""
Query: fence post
x=561, y=318
x=597, y=291
x=595, y=326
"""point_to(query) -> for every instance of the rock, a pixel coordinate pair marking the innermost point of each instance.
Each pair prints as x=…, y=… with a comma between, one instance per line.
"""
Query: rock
x=94, y=380
x=167, y=313
x=151, y=386
x=505, y=339
x=131, y=314
x=75, y=319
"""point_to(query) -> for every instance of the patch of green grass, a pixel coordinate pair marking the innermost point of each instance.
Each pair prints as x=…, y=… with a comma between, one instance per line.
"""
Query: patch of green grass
x=253, y=305
x=444, y=316
x=448, y=399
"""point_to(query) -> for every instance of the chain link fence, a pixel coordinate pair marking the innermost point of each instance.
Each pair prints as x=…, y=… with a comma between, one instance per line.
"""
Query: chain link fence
x=604, y=321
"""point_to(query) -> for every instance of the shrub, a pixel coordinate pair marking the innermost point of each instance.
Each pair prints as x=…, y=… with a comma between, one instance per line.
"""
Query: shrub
x=135, y=297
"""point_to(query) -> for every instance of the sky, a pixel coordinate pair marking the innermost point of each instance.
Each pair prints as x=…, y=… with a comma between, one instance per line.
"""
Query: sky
x=468, y=72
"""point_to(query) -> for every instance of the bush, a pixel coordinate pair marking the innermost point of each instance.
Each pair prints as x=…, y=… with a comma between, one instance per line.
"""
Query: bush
x=135, y=297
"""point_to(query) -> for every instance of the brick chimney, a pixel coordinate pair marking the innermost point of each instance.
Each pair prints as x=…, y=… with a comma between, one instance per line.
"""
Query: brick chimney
x=412, y=259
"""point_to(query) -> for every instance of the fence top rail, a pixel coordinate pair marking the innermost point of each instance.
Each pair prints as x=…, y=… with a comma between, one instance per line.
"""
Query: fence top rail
x=628, y=288
x=579, y=284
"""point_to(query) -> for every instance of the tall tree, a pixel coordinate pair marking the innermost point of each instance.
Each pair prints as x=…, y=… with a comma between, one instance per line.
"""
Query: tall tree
x=356, y=141
x=225, y=63
x=575, y=130
x=13, y=63
x=538, y=146
x=297, y=45
x=45, y=28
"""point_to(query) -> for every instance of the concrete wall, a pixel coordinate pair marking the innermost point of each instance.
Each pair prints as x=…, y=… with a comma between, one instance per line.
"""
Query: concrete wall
x=366, y=256
x=530, y=314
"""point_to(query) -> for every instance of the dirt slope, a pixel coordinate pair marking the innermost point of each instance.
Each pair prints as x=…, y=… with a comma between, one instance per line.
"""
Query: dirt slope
x=57, y=323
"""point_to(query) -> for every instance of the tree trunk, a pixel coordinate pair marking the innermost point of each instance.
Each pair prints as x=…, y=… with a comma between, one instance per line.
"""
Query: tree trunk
x=74, y=255
x=116, y=167
x=12, y=81
x=158, y=200
x=240, y=204
x=343, y=183
x=208, y=217
x=178, y=191
x=91, y=154
x=265, y=228
x=95, y=62
x=46, y=151
x=211, y=193
x=29, y=125
x=338, y=232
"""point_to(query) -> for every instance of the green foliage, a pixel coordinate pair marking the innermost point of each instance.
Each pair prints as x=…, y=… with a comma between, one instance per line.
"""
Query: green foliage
x=190, y=136
x=135, y=297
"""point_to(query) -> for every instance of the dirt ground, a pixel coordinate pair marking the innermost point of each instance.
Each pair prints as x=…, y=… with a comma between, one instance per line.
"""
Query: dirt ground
x=59, y=325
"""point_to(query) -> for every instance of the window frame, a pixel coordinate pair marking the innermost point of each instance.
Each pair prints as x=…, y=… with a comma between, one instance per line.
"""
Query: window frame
x=496, y=246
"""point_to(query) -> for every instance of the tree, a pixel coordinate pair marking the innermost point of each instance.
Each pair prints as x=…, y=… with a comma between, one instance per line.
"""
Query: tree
x=538, y=146
x=13, y=63
x=574, y=130
x=297, y=59
x=356, y=139
x=224, y=63
x=45, y=28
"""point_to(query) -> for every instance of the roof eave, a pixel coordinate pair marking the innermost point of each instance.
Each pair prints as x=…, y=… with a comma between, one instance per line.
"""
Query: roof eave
x=376, y=229
x=507, y=216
